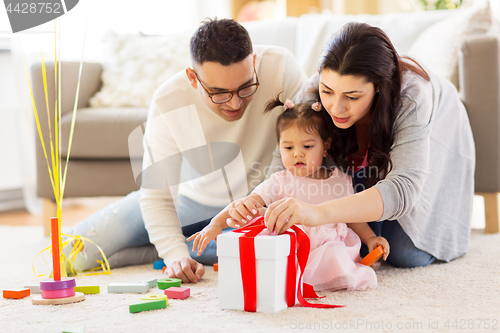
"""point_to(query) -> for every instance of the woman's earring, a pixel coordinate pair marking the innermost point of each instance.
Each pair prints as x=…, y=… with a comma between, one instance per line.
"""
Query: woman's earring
x=325, y=153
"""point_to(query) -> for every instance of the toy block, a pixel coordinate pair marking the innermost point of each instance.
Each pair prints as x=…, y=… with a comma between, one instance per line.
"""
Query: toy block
x=16, y=293
x=216, y=267
x=148, y=305
x=164, y=268
x=167, y=283
x=152, y=283
x=155, y=297
x=159, y=264
x=128, y=288
x=88, y=289
x=177, y=293
x=58, y=293
x=373, y=256
x=34, y=289
x=51, y=284
x=38, y=300
x=75, y=330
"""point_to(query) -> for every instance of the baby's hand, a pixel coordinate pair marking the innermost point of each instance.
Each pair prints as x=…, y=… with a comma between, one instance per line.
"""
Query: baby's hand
x=243, y=211
x=203, y=237
x=375, y=241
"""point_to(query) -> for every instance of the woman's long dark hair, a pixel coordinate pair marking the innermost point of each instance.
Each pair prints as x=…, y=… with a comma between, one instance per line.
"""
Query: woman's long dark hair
x=359, y=49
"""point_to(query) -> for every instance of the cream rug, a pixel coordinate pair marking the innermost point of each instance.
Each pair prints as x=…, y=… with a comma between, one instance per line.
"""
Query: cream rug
x=462, y=295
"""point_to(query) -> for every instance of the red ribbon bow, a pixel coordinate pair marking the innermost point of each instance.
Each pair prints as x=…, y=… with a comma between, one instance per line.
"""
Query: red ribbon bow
x=247, y=263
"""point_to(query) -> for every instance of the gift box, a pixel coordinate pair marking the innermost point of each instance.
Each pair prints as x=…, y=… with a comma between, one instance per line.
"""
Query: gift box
x=258, y=272
x=271, y=259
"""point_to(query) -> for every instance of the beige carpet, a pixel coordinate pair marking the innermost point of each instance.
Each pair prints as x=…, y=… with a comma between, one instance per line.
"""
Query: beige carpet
x=459, y=294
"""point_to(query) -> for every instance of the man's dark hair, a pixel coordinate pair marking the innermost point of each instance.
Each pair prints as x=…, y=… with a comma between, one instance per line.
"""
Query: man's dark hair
x=224, y=41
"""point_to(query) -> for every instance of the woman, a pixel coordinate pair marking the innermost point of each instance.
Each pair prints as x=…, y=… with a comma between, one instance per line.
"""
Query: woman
x=406, y=138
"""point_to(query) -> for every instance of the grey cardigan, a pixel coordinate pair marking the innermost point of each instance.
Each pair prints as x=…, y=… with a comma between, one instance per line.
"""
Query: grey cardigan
x=430, y=188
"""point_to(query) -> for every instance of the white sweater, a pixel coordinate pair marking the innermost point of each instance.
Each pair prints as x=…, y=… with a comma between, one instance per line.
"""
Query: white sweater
x=226, y=160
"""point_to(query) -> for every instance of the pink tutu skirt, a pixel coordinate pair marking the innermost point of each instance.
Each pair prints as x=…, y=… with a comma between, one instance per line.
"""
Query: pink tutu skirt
x=333, y=262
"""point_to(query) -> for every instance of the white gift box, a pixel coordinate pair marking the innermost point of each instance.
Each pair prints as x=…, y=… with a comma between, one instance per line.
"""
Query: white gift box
x=271, y=255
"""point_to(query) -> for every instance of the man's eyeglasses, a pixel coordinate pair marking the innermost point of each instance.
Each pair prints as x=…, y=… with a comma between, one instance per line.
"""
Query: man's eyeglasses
x=223, y=97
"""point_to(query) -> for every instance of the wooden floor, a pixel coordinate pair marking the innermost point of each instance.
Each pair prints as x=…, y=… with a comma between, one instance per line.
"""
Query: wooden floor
x=74, y=211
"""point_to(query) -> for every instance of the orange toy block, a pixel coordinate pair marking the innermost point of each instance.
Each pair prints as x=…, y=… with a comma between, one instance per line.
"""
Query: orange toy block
x=373, y=256
x=16, y=293
x=216, y=267
x=164, y=268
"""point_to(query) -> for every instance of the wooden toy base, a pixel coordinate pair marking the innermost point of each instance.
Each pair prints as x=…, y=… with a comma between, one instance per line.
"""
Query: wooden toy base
x=38, y=300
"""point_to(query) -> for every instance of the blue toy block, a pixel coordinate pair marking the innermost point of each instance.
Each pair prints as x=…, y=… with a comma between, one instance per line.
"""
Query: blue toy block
x=159, y=264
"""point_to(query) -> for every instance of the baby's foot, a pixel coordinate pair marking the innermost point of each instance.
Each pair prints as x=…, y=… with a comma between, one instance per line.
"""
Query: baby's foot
x=376, y=265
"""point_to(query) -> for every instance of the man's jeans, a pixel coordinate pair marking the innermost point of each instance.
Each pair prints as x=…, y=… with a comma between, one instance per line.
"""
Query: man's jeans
x=120, y=232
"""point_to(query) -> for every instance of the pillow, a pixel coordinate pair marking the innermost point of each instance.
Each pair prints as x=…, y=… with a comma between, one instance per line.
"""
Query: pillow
x=136, y=65
x=437, y=47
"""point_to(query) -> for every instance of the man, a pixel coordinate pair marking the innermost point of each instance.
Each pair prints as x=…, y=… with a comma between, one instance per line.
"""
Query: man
x=207, y=143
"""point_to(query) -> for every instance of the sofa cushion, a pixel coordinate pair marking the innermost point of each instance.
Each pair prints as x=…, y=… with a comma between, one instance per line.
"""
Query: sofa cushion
x=274, y=32
x=315, y=30
x=136, y=65
x=101, y=133
x=437, y=47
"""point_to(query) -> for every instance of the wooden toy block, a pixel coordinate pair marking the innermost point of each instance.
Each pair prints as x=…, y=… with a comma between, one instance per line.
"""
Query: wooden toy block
x=34, y=289
x=17, y=293
x=148, y=305
x=167, y=283
x=58, y=293
x=75, y=330
x=159, y=264
x=216, y=267
x=152, y=283
x=52, y=284
x=128, y=288
x=88, y=289
x=373, y=256
x=177, y=293
x=155, y=297
x=38, y=300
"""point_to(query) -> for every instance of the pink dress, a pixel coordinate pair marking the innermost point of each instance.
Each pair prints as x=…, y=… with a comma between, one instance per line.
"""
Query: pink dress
x=333, y=262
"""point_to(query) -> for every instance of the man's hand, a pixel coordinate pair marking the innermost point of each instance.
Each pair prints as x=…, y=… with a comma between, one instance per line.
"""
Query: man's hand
x=186, y=269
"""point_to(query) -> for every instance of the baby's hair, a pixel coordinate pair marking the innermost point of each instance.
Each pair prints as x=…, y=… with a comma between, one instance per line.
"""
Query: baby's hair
x=301, y=115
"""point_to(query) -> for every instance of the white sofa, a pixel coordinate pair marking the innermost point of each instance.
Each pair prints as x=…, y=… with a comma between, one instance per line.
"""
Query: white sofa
x=453, y=43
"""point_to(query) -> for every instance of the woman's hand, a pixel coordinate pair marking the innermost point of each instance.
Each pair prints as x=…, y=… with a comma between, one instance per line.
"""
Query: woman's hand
x=284, y=213
x=244, y=210
x=203, y=237
x=375, y=241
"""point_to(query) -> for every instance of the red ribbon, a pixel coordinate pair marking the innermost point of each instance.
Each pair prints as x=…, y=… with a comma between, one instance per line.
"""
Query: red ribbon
x=247, y=263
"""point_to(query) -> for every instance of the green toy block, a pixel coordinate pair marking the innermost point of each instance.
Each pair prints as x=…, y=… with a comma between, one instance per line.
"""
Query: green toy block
x=88, y=289
x=147, y=305
x=167, y=283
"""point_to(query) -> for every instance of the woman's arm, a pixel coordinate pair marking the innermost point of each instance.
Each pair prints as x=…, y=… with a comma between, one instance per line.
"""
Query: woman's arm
x=366, y=206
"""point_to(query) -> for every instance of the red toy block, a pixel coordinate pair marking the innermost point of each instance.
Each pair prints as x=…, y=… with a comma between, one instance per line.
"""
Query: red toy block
x=16, y=293
x=177, y=292
x=216, y=267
